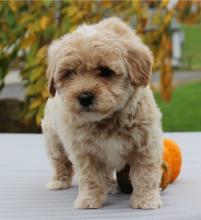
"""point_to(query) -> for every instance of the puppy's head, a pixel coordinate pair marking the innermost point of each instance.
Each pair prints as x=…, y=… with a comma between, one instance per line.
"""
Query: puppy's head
x=96, y=68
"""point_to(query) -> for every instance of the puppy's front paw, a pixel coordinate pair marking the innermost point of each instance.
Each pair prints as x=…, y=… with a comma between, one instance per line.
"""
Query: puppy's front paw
x=147, y=201
x=62, y=183
x=89, y=202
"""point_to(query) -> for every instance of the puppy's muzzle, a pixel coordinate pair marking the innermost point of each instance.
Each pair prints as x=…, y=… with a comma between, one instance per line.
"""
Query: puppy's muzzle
x=86, y=99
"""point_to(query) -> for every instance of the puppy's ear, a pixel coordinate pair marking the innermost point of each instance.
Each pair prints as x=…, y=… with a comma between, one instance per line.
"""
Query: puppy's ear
x=139, y=61
x=51, y=87
x=138, y=57
x=52, y=51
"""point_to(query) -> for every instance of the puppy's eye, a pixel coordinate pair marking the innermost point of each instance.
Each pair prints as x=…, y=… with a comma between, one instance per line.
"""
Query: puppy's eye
x=105, y=71
x=68, y=73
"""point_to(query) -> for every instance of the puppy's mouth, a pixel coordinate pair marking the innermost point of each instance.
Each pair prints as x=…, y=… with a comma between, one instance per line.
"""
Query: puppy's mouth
x=92, y=113
x=88, y=109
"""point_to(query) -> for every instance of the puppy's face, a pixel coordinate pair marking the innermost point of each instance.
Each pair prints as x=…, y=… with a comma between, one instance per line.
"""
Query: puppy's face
x=95, y=69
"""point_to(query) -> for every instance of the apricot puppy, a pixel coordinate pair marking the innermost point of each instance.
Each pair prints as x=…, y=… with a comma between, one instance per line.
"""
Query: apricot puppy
x=102, y=115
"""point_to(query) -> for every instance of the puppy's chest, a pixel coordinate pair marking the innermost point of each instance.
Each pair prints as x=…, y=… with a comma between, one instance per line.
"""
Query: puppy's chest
x=116, y=150
x=111, y=145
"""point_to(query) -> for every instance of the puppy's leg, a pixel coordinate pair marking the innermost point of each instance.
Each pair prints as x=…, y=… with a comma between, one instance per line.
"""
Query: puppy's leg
x=63, y=169
x=145, y=175
x=92, y=183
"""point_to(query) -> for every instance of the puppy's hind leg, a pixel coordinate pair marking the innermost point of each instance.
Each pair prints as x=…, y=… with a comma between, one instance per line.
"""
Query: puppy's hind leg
x=62, y=166
x=112, y=186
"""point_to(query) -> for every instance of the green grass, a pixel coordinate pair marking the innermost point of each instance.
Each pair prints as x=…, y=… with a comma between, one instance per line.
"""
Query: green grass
x=192, y=46
x=183, y=112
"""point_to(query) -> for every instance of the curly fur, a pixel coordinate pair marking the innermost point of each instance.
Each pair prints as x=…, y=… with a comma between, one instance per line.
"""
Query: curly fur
x=121, y=127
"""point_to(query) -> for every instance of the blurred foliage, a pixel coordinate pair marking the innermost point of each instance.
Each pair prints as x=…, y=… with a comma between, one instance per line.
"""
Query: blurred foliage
x=161, y=14
x=28, y=27
x=191, y=56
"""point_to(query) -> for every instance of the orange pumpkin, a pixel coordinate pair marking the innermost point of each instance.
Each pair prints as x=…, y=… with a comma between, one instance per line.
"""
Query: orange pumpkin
x=172, y=161
x=171, y=167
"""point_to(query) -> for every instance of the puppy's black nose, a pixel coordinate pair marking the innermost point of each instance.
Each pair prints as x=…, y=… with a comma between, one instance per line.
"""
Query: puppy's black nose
x=86, y=99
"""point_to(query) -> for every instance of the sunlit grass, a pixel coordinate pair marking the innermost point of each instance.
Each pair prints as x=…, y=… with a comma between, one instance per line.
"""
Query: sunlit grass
x=183, y=112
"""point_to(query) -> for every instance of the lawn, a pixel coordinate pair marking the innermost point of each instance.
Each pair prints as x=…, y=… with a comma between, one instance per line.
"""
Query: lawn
x=183, y=112
x=192, y=46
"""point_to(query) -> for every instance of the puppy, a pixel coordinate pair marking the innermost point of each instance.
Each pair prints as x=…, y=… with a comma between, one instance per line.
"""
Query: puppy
x=102, y=115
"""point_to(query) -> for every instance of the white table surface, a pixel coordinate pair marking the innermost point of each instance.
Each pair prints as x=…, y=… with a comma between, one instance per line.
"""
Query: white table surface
x=25, y=170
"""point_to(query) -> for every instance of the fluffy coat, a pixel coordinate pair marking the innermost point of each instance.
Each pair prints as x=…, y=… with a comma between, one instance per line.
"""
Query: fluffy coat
x=121, y=126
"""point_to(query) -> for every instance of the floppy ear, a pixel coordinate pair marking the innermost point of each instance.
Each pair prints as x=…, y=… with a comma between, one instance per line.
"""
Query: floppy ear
x=50, y=77
x=51, y=87
x=139, y=61
x=138, y=57
x=52, y=50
